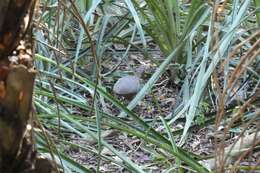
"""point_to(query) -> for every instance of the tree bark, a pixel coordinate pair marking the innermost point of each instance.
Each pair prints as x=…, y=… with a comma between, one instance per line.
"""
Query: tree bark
x=17, y=74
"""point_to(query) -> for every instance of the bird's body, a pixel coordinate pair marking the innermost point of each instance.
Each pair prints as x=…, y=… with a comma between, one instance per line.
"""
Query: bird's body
x=129, y=85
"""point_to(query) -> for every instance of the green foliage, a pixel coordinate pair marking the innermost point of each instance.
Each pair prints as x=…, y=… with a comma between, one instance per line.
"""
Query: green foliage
x=169, y=22
x=81, y=43
x=257, y=5
x=200, y=118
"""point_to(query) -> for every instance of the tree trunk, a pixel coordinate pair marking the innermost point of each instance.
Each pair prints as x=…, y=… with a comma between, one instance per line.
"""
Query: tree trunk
x=17, y=145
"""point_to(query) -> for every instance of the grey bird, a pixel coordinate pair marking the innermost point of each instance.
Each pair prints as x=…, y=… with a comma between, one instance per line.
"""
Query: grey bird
x=129, y=85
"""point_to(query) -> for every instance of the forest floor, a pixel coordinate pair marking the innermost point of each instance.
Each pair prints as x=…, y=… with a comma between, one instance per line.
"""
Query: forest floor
x=161, y=101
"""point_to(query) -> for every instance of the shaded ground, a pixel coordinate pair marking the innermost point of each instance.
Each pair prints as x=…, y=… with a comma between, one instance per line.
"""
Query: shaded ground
x=160, y=102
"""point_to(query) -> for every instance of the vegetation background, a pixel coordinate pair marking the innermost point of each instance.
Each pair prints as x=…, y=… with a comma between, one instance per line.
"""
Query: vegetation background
x=198, y=110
